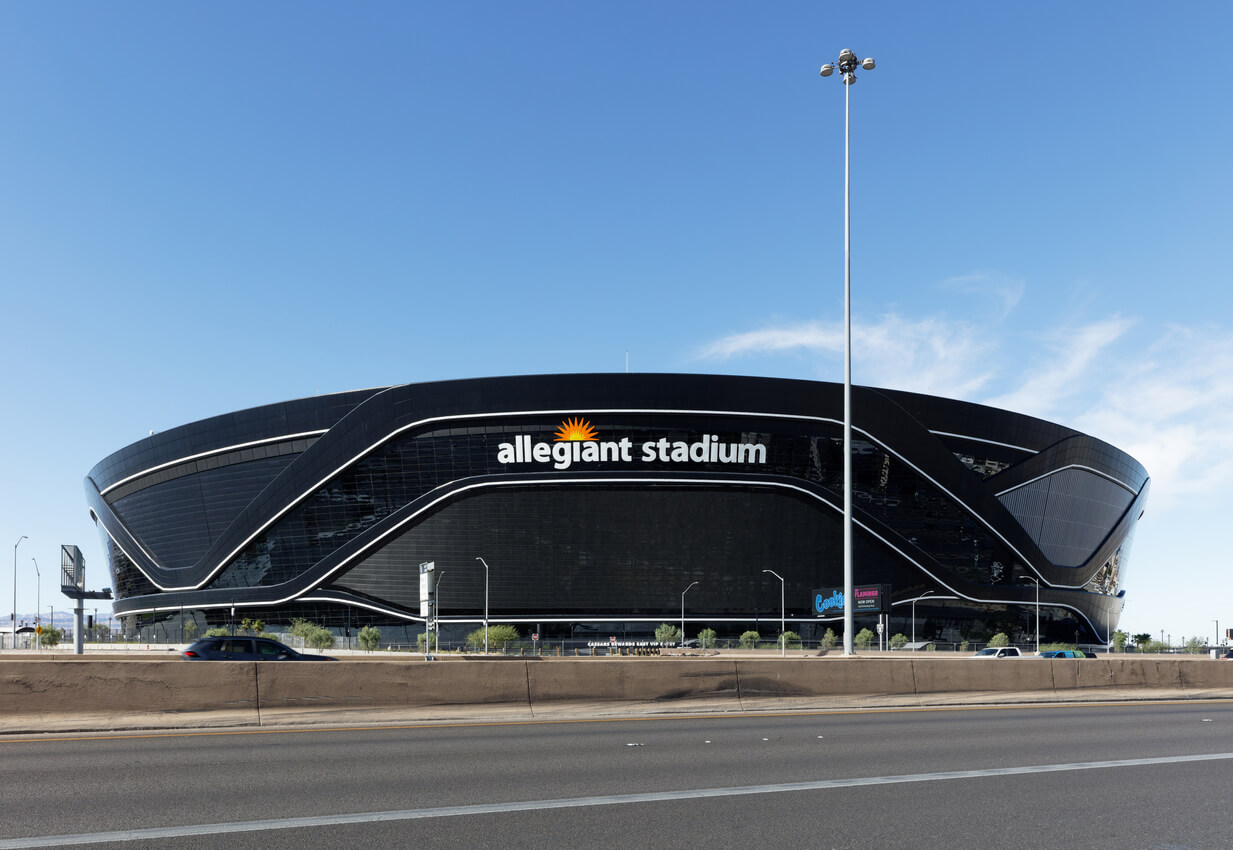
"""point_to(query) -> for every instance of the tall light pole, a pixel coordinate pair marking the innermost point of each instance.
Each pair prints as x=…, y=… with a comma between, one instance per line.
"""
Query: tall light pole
x=683, y=592
x=485, y=563
x=38, y=605
x=1037, y=583
x=783, y=640
x=847, y=64
x=1217, y=622
x=15, y=545
x=914, y=601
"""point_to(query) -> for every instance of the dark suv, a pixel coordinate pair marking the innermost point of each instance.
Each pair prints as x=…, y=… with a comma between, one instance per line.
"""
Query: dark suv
x=245, y=649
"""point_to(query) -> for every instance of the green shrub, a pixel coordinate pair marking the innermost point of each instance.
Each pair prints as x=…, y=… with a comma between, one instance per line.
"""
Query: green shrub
x=749, y=639
x=964, y=646
x=864, y=638
x=217, y=631
x=501, y=636
x=51, y=637
x=899, y=641
x=1000, y=639
x=321, y=638
x=707, y=639
x=931, y=647
x=667, y=633
x=369, y=638
x=830, y=640
x=791, y=639
x=422, y=640
x=1119, y=641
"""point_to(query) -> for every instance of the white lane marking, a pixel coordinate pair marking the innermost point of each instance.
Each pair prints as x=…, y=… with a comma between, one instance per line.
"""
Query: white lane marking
x=577, y=802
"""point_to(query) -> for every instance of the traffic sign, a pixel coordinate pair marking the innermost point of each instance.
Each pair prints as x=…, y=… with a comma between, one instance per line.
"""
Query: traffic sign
x=534, y=635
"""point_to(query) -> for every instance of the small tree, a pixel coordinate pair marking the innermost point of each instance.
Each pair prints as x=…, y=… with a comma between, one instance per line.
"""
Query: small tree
x=863, y=638
x=51, y=636
x=789, y=640
x=321, y=638
x=829, y=639
x=426, y=640
x=190, y=629
x=255, y=627
x=1119, y=641
x=475, y=640
x=1142, y=640
x=667, y=633
x=217, y=631
x=501, y=636
x=1194, y=645
x=963, y=645
x=1000, y=639
x=370, y=638
x=899, y=641
x=707, y=639
x=749, y=639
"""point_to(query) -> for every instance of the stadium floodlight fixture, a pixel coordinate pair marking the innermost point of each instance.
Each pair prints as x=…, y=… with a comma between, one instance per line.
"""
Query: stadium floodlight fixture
x=847, y=63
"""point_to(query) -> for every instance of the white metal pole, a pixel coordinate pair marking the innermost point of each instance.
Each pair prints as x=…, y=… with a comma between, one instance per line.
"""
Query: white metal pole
x=485, y=563
x=783, y=641
x=38, y=605
x=15, y=545
x=848, y=620
x=683, y=592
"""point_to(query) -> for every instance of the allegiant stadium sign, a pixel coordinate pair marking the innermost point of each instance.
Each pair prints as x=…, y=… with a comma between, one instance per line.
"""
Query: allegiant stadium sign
x=575, y=442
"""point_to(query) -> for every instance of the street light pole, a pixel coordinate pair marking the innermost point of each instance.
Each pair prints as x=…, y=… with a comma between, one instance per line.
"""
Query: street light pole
x=1217, y=622
x=847, y=64
x=485, y=563
x=922, y=596
x=15, y=545
x=683, y=592
x=1037, y=583
x=38, y=605
x=783, y=640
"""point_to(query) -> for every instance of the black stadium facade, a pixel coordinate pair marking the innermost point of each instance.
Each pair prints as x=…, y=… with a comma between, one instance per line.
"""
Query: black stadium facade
x=604, y=505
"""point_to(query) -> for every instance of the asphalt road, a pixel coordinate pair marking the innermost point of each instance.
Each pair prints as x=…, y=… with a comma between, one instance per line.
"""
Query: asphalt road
x=1150, y=776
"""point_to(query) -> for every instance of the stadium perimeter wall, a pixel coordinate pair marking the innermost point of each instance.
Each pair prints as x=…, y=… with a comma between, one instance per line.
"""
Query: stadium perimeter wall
x=49, y=696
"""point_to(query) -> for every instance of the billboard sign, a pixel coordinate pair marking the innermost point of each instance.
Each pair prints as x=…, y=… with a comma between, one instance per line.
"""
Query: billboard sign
x=866, y=599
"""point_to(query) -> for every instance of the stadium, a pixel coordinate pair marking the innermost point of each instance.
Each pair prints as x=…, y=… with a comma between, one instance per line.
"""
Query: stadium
x=584, y=507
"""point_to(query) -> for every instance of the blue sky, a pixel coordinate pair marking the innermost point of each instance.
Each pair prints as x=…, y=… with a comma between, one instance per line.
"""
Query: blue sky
x=207, y=207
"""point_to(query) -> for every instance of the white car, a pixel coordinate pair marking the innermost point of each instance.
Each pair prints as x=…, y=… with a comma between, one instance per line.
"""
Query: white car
x=999, y=652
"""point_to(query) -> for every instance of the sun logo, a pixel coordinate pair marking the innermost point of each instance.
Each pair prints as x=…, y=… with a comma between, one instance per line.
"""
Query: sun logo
x=576, y=429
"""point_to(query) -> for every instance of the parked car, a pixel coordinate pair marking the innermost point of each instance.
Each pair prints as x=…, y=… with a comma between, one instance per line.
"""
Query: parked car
x=245, y=649
x=999, y=652
x=1228, y=656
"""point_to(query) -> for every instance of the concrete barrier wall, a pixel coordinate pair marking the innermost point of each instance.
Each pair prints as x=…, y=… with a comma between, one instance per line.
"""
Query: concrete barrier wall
x=49, y=696
x=42, y=695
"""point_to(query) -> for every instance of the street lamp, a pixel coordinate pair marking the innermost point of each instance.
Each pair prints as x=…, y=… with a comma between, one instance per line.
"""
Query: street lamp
x=683, y=592
x=847, y=63
x=38, y=605
x=1037, y=583
x=922, y=596
x=485, y=563
x=15, y=545
x=783, y=635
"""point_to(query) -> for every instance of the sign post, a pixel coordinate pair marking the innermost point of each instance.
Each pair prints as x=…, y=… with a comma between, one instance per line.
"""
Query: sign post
x=427, y=589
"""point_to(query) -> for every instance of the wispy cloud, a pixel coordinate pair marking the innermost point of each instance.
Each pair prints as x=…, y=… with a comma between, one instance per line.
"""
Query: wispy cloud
x=1006, y=289
x=926, y=355
x=1163, y=394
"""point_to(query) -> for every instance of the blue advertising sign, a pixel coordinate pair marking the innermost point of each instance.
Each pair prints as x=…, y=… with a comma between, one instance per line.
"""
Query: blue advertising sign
x=867, y=599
